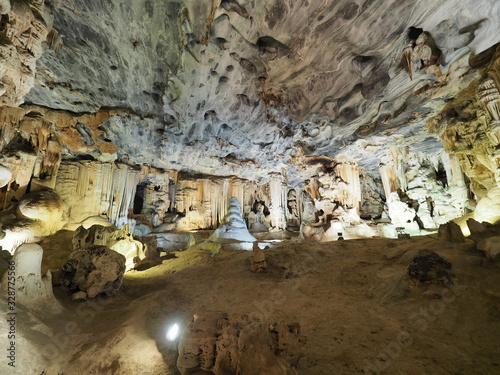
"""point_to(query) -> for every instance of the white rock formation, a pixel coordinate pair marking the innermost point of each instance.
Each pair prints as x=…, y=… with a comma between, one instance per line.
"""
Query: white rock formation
x=5, y=176
x=92, y=188
x=123, y=243
x=32, y=289
x=35, y=216
x=233, y=230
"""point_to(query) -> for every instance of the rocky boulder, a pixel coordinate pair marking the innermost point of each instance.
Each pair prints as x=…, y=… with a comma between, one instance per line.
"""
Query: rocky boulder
x=490, y=246
x=429, y=268
x=450, y=232
x=94, y=270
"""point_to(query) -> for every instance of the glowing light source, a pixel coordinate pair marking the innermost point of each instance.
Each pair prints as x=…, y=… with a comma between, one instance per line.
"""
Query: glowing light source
x=173, y=332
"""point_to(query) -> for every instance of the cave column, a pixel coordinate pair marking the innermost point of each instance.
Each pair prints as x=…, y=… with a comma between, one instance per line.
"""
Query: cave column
x=278, y=191
x=349, y=172
x=236, y=189
x=388, y=176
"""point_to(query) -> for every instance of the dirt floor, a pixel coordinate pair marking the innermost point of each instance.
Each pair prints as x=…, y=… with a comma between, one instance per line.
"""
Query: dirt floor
x=354, y=301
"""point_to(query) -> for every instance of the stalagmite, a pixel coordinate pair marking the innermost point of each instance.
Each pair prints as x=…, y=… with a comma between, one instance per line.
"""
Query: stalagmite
x=33, y=289
x=233, y=232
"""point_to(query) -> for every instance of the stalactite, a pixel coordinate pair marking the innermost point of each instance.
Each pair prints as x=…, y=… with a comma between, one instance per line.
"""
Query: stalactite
x=93, y=188
x=349, y=173
x=388, y=177
x=489, y=96
x=399, y=157
x=156, y=199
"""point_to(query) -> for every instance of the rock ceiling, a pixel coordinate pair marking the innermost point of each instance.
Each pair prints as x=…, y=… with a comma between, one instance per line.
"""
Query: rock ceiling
x=247, y=87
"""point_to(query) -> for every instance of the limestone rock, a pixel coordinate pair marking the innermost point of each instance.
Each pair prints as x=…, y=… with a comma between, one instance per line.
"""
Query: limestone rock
x=23, y=31
x=33, y=289
x=233, y=229
x=490, y=246
x=94, y=270
x=123, y=242
x=4, y=6
x=37, y=215
x=5, y=176
x=95, y=235
x=312, y=232
x=45, y=206
x=79, y=296
x=120, y=240
x=150, y=247
x=475, y=227
x=258, y=259
x=450, y=232
x=228, y=344
x=429, y=267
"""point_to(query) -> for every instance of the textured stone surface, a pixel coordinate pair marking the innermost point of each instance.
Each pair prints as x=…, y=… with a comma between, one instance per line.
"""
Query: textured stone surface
x=490, y=246
x=221, y=343
x=233, y=228
x=429, y=267
x=32, y=289
x=94, y=270
x=450, y=232
x=315, y=77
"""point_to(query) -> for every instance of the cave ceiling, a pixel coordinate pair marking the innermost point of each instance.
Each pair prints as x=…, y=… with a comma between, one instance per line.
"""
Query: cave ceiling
x=251, y=87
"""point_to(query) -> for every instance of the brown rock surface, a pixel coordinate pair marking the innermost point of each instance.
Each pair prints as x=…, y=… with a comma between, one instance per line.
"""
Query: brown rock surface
x=225, y=343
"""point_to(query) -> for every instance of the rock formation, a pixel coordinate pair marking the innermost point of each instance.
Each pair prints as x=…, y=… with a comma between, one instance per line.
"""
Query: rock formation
x=94, y=270
x=429, y=268
x=119, y=240
x=222, y=343
x=36, y=215
x=324, y=120
x=31, y=288
x=450, y=232
x=233, y=232
x=258, y=259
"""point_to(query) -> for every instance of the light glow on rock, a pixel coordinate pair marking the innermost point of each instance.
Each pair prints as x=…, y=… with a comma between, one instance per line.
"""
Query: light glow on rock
x=173, y=332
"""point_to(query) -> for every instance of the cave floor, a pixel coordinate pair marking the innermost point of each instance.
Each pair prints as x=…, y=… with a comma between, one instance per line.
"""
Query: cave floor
x=353, y=301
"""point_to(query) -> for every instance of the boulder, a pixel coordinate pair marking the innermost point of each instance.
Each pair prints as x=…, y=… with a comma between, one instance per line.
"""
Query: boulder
x=490, y=246
x=258, y=259
x=120, y=240
x=45, y=206
x=475, y=227
x=94, y=270
x=429, y=268
x=450, y=232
